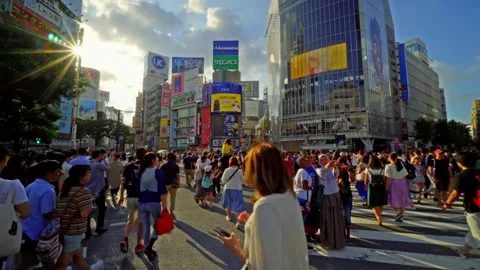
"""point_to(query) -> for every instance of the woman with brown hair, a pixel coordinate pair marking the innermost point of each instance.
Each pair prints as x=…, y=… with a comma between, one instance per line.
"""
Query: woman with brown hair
x=274, y=234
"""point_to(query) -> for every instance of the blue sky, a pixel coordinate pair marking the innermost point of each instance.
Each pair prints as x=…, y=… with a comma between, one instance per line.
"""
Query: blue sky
x=187, y=27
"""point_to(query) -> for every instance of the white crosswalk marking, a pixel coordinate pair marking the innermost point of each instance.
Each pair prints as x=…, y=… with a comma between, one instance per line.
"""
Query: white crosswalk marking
x=424, y=239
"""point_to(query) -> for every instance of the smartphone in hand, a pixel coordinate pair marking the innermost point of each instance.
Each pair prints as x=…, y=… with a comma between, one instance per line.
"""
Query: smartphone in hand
x=221, y=232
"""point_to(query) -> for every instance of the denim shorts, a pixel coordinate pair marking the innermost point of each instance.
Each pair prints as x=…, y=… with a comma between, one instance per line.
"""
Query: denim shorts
x=72, y=242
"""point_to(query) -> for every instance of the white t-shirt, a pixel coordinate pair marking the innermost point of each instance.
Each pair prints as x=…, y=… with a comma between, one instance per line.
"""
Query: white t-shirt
x=66, y=168
x=236, y=181
x=20, y=195
x=207, y=161
x=274, y=234
x=391, y=172
x=297, y=184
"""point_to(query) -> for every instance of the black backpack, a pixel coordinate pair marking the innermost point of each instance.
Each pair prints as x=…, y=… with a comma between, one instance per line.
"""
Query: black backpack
x=377, y=179
x=410, y=169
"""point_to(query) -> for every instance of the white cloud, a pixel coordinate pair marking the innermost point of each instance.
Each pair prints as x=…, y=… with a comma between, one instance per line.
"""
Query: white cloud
x=195, y=6
x=451, y=75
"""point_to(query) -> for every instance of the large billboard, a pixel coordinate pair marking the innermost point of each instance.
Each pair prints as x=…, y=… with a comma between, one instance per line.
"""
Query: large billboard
x=46, y=10
x=377, y=47
x=87, y=109
x=178, y=84
x=30, y=19
x=250, y=89
x=226, y=98
x=402, y=61
x=182, y=64
x=320, y=60
x=64, y=124
x=225, y=55
x=156, y=66
x=104, y=96
x=93, y=77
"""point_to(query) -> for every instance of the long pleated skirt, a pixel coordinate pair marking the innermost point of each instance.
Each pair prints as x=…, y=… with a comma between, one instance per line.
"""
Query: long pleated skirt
x=332, y=222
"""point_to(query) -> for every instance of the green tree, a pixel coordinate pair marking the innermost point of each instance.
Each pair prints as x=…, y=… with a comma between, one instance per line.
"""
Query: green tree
x=35, y=75
x=95, y=129
x=442, y=133
x=424, y=128
x=459, y=134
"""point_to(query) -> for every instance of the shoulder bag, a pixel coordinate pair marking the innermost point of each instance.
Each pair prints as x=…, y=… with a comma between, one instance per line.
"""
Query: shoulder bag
x=231, y=176
x=10, y=225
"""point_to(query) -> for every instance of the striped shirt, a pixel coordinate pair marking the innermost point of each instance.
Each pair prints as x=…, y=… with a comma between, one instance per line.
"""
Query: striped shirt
x=71, y=213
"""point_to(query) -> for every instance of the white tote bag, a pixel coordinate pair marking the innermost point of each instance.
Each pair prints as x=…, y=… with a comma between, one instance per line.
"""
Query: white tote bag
x=10, y=225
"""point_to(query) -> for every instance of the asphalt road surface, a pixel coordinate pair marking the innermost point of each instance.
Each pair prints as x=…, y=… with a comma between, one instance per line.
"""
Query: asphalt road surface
x=423, y=240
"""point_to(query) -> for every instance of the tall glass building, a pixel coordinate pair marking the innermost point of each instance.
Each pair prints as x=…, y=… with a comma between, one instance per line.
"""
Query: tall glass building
x=331, y=72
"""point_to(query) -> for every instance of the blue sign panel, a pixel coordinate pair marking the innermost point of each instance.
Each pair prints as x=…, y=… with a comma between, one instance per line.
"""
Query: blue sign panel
x=206, y=94
x=64, y=124
x=225, y=47
x=402, y=59
x=158, y=62
x=182, y=64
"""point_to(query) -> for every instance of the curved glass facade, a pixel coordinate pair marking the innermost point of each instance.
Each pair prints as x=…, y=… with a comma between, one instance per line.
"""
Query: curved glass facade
x=328, y=70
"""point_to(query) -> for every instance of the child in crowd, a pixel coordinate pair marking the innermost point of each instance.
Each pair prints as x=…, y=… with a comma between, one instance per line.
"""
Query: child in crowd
x=207, y=185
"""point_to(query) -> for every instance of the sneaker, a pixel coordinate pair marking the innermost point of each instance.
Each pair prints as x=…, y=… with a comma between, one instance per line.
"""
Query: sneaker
x=97, y=266
x=139, y=248
x=124, y=245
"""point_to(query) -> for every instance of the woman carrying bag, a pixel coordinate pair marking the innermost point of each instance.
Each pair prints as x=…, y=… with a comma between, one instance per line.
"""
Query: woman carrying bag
x=152, y=200
x=232, y=197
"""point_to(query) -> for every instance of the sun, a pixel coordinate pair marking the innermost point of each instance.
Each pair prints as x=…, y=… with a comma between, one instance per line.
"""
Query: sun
x=77, y=50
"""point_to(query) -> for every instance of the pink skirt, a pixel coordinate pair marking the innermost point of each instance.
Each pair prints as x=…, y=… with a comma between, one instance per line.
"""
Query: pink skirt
x=398, y=195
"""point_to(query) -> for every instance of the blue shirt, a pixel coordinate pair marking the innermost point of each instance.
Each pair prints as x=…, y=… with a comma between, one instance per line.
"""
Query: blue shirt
x=80, y=160
x=97, y=177
x=313, y=174
x=42, y=201
x=152, y=186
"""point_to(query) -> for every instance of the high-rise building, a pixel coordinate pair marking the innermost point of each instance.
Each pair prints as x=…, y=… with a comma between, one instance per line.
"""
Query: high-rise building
x=330, y=73
x=421, y=95
x=138, y=125
x=476, y=119
x=155, y=74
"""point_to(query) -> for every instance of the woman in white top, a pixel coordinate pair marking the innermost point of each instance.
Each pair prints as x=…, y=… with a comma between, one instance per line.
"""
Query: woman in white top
x=232, y=196
x=397, y=189
x=274, y=233
x=377, y=192
x=303, y=182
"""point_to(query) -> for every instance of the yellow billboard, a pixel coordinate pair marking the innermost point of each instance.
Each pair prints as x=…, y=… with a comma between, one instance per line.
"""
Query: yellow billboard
x=476, y=103
x=226, y=103
x=320, y=60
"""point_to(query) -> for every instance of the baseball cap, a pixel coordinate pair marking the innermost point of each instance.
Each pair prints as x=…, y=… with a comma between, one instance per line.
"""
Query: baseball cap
x=438, y=151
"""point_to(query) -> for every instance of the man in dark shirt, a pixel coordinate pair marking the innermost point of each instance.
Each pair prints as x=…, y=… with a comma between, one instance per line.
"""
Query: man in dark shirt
x=172, y=178
x=441, y=172
x=468, y=183
x=189, y=166
x=130, y=183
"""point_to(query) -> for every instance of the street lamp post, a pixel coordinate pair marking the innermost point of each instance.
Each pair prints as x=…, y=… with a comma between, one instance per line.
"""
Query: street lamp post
x=77, y=96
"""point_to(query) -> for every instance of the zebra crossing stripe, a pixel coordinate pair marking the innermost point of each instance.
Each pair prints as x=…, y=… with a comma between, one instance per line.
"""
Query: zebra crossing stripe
x=408, y=259
x=412, y=223
x=413, y=238
x=448, y=216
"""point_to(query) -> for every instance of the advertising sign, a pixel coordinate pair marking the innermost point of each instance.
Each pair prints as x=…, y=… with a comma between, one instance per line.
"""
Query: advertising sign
x=377, y=47
x=225, y=55
x=46, y=10
x=250, y=89
x=476, y=103
x=32, y=21
x=226, y=98
x=206, y=130
x=178, y=84
x=64, y=124
x=166, y=95
x=320, y=60
x=206, y=94
x=190, y=78
x=402, y=61
x=182, y=64
x=104, y=96
x=93, y=77
x=183, y=100
x=87, y=109
x=156, y=65
x=230, y=126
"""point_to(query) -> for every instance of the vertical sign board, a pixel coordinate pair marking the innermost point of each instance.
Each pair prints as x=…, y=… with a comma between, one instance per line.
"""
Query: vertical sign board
x=166, y=95
x=64, y=124
x=402, y=59
x=178, y=84
x=225, y=55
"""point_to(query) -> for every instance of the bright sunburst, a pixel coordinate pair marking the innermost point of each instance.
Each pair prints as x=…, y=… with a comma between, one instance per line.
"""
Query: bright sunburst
x=77, y=50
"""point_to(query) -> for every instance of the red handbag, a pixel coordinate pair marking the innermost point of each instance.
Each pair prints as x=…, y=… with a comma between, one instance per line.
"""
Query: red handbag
x=165, y=223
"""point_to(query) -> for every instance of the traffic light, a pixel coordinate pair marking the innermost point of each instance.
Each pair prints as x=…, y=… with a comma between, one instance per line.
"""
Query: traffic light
x=38, y=140
x=334, y=145
x=54, y=38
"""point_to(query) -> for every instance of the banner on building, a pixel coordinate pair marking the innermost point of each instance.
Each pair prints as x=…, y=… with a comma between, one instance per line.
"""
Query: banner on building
x=184, y=99
x=206, y=94
x=225, y=55
x=46, y=10
x=250, y=89
x=226, y=98
x=31, y=20
x=104, y=96
x=166, y=94
x=64, y=124
x=87, y=109
x=182, y=64
x=402, y=61
x=178, y=84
